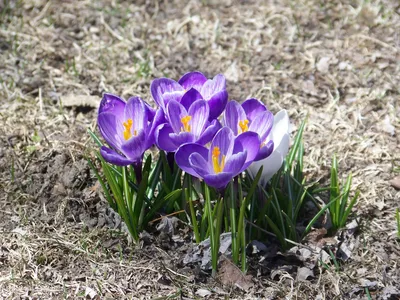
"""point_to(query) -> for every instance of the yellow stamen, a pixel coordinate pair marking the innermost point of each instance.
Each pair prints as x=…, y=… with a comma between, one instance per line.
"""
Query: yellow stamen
x=127, y=132
x=217, y=165
x=244, y=125
x=185, y=122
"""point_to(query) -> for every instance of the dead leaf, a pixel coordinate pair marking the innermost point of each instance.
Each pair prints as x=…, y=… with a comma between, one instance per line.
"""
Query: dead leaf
x=323, y=64
x=90, y=293
x=168, y=225
x=303, y=273
x=80, y=100
x=203, y=293
x=231, y=275
x=232, y=73
x=395, y=182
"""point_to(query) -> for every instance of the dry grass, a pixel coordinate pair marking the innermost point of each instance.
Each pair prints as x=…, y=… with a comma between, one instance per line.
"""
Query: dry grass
x=336, y=61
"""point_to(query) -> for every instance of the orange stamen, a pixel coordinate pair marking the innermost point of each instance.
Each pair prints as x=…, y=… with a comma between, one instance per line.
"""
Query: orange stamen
x=218, y=166
x=127, y=132
x=185, y=122
x=244, y=125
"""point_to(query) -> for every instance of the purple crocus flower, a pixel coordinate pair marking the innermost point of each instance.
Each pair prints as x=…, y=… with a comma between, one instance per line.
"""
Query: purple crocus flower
x=191, y=87
x=186, y=126
x=128, y=127
x=227, y=157
x=251, y=116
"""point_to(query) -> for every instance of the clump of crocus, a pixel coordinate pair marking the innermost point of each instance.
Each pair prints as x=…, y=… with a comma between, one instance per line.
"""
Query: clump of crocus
x=280, y=136
x=127, y=127
x=227, y=157
x=186, y=126
x=189, y=88
x=253, y=116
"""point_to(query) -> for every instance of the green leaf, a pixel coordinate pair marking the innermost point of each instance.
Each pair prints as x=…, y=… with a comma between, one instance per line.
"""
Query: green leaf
x=106, y=192
x=139, y=207
x=344, y=200
x=297, y=141
x=95, y=138
x=349, y=208
x=158, y=204
x=277, y=232
x=319, y=214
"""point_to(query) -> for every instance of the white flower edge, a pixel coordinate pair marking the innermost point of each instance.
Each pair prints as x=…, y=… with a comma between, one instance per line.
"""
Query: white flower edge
x=280, y=135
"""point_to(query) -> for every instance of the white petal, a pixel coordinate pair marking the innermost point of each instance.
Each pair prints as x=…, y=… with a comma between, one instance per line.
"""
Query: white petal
x=272, y=163
x=280, y=127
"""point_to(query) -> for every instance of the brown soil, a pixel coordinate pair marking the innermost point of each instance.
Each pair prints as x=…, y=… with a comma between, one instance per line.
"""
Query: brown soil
x=335, y=61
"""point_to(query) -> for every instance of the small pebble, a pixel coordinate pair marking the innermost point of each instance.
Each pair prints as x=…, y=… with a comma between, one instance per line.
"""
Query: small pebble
x=395, y=182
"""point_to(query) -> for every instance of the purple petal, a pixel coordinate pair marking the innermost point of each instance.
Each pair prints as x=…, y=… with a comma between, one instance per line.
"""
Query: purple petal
x=189, y=97
x=253, y=107
x=250, y=142
x=164, y=88
x=199, y=164
x=136, y=110
x=217, y=104
x=192, y=80
x=262, y=124
x=112, y=104
x=265, y=151
x=199, y=111
x=183, y=154
x=135, y=146
x=151, y=112
x=159, y=118
x=219, y=180
x=210, y=132
x=162, y=138
x=235, y=163
x=224, y=140
x=213, y=86
x=111, y=129
x=181, y=138
x=113, y=157
x=175, y=113
x=234, y=113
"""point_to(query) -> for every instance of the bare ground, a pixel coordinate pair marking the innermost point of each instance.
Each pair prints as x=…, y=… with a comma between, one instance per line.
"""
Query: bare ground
x=336, y=61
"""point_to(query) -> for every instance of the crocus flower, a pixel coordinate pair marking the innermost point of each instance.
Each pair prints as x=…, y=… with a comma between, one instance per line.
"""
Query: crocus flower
x=280, y=136
x=186, y=126
x=253, y=116
x=227, y=157
x=128, y=127
x=191, y=87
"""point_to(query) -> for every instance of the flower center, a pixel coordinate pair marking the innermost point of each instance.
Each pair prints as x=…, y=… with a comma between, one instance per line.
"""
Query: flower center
x=185, y=122
x=127, y=132
x=244, y=125
x=217, y=164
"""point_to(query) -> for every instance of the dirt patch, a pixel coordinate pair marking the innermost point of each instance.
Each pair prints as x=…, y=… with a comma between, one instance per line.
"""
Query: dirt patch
x=335, y=62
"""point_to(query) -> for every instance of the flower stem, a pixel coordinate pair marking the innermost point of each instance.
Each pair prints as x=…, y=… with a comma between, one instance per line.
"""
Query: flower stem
x=214, y=248
x=138, y=172
x=232, y=210
x=220, y=212
x=241, y=227
x=188, y=192
x=171, y=160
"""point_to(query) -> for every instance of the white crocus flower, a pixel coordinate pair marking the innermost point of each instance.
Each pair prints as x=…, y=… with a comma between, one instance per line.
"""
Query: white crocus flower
x=280, y=135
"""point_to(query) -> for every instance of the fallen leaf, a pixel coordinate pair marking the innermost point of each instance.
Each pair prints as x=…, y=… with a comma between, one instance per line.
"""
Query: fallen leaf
x=231, y=275
x=80, y=100
x=387, y=126
x=390, y=292
x=395, y=182
x=323, y=64
x=232, y=73
x=90, y=293
x=303, y=273
x=203, y=293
